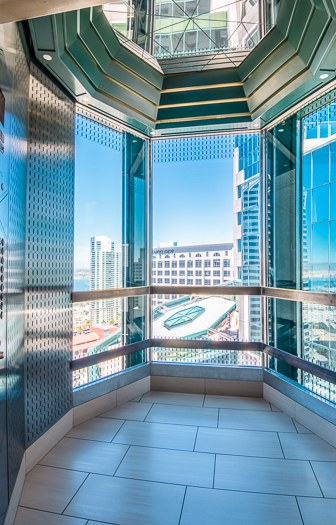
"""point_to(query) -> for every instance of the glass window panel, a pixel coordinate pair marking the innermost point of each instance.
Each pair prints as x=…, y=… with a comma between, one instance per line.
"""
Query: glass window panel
x=214, y=318
x=306, y=171
x=320, y=203
x=320, y=243
x=95, y=339
x=333, y=159
x=321, y=166
x=333, y=242
x=333, y=200
x=306, y=207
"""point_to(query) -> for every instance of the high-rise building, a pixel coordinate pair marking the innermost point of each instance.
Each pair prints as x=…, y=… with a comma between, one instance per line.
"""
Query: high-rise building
x=246, y=230
x=105, y=274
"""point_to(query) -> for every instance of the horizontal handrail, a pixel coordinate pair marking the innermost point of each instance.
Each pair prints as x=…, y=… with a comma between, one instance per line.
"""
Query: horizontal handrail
x=198, y=344
x=303, y=296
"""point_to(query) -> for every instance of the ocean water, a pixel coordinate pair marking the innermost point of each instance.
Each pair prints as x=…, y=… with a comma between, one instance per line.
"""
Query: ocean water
x=81, y=285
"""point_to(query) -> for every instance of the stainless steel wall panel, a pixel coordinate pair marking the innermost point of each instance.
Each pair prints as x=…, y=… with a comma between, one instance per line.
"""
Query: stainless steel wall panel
x=49, y=254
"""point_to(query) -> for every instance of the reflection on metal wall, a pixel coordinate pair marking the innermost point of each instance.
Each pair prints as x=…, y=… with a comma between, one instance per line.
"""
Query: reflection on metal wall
x=16, y=261
x=49, y=255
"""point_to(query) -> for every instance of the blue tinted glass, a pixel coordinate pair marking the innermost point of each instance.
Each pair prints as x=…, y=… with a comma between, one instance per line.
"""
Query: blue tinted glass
x=239, y=192
x=333, y=200
x=306, y=206
x=312, y=132
x=306, y=171
x=321, y=166
x=333, y=127
x=333, y=242
x=323, y=130
x=333, y=159
x=320, y=252
x=321, y=203
x=307, y=245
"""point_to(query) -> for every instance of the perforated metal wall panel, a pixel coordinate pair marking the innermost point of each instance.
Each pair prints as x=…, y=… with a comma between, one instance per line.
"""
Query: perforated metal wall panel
x=16, y=260
x=49, y=254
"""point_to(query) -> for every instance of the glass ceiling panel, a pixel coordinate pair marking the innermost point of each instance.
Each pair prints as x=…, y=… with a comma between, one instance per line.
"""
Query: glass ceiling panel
x=189, y=27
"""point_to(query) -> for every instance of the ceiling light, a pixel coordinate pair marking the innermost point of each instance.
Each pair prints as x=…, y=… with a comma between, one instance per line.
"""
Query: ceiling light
x=152, y=132
x=256, y=125
x=47, y=57
x=11, y=50
x=85, y=99
x=325, y=75
x=280, y=129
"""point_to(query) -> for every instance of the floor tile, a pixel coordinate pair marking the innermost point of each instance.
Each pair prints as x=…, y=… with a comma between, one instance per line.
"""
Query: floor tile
x=326, y=476
x=181, y=415
x=159, y=435
x=127, y=501
x=97, y=429
x=306, y=446
x=221, y=507
x=168, y=466
x=269, y=476
x=173, y=398
x=86, y=456
x=129, y=410
x=238, y=442
x=238, y=403
x=300, y=428
x=255, y=420
x=317, y=511
x=26, y=516
x=50, y=489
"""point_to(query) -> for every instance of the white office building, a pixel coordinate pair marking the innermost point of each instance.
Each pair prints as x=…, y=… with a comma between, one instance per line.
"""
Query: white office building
x=105, y=273
x=198, y=265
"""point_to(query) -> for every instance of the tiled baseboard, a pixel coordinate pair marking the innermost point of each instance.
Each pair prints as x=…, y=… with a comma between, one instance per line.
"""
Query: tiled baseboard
x=309, y=419
x=220, y=387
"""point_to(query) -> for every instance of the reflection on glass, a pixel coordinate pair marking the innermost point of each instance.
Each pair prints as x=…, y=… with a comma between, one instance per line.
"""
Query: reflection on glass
x=206, y=217
x=321, y=203
x=320, y=243
x=320, y=166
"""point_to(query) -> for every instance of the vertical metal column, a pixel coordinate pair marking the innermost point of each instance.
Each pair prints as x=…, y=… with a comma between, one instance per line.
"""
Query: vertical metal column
x=149, y=242
x=263, y=238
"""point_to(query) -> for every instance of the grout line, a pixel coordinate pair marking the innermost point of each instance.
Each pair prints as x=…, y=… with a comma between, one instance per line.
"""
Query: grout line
x=75, y=493
x=294, y=425
x=218, y=418
x=299, y=509
x=195, y=439
x=185, y=493
x=213, y=481
x=281, y=445
x=122, y=459
x=144, y=419
x=203, y=400
x=115, y=435
x=311, y=466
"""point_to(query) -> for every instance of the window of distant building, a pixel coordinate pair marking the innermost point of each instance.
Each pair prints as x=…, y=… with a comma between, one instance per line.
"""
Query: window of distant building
x=239, y=245
x=198, y=282
x=154, y=264
x=216, y=273
x=198, y=273
x=182, y=256
x=206, y=264
x=174, y=272
x=167, y=264
x=182, y=281
x=159, y=264
x=198, y=255
x=190, y=264
x=182, y=264
x=167, y=272
x=160, y=272
x=226, y=262
x=226, y=273
x=174, y=281
x=190, y=273
x=174, y=264
x=154, y=272
x=216, y=263
x=198, y=264
x=239, y=218
x=239, y=192
x=160, y=281
x=190, y=281
x=182, y=272
x=216, y=282
x=216, y=254
x=207, y=282
x=167, y=281
x=207, y=273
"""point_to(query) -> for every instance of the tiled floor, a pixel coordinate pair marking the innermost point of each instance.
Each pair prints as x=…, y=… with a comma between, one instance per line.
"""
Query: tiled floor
x=184, y=459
